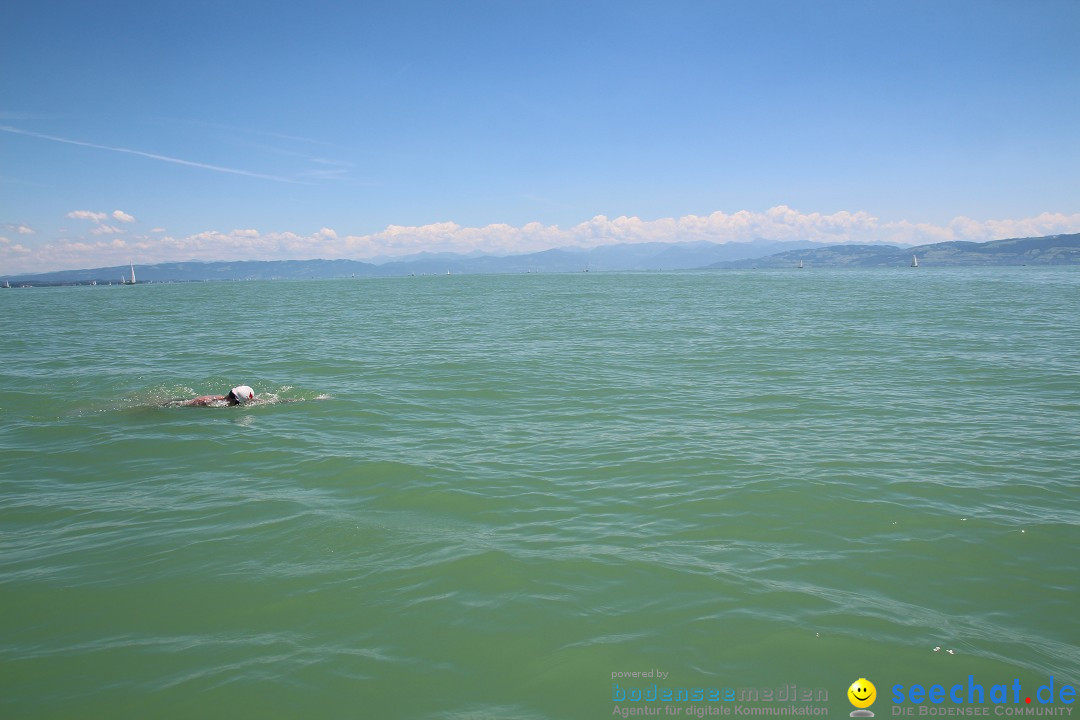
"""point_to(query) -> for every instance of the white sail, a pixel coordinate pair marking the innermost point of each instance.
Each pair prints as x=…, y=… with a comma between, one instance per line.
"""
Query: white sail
x=132, y=273
x=914, y=261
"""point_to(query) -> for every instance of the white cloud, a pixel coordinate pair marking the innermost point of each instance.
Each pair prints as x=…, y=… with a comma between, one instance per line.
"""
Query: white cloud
x=24, y=230
x=778, y=223
x=122, y=216
x=87, y=215
x=8, y=250
x=106, y=230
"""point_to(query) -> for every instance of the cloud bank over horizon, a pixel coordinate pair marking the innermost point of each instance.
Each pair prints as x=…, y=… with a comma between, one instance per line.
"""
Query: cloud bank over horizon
x=104, y=244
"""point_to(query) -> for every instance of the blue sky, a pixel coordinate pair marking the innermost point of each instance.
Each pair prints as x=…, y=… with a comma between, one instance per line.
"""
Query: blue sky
x=263, y=130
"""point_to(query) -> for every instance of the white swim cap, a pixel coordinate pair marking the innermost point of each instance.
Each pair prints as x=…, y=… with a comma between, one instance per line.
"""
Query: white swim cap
x=243, y=393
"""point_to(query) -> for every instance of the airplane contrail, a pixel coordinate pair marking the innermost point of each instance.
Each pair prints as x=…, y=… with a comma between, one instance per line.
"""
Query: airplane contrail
x=152, y=156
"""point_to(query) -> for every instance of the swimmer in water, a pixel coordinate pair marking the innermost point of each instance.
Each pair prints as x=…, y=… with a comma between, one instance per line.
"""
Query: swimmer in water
x=237, y=396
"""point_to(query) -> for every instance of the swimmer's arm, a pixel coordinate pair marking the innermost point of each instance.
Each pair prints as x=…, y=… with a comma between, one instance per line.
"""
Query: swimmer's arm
x=204, y=400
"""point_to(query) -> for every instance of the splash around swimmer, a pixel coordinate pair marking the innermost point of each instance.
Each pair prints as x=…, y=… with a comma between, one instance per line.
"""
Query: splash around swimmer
x=239, y=395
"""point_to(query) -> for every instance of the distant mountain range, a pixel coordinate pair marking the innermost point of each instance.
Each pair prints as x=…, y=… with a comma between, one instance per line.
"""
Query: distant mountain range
x=627, y=257
x=1049, y=250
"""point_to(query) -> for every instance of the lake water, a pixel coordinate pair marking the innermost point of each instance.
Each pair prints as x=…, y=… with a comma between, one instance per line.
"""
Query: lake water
x=483, y=496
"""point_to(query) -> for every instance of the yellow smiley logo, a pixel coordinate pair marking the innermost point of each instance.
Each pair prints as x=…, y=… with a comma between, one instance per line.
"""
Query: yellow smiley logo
x=862, y=693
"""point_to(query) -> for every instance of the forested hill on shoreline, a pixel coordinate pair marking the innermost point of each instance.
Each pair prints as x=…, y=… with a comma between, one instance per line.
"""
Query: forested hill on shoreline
x=1049, y=250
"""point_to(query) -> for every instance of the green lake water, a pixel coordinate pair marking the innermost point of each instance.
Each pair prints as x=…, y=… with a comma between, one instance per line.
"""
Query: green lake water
x=483, y=496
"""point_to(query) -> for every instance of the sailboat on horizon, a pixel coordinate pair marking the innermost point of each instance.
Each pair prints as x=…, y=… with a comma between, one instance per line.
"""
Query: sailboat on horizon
x=914, y=261
x=132, y=265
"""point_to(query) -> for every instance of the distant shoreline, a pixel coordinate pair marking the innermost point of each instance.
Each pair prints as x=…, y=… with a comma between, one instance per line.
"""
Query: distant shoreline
x=1043, y=251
